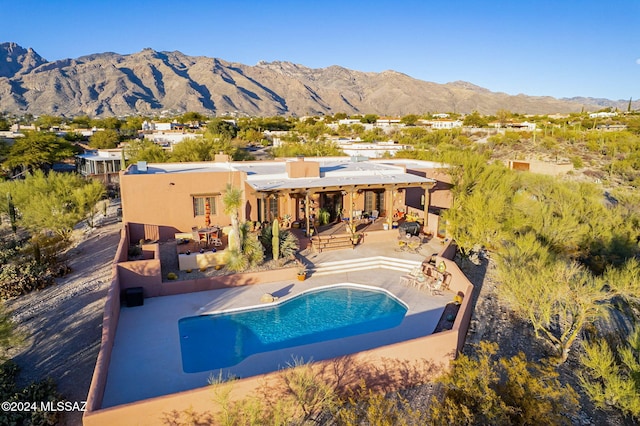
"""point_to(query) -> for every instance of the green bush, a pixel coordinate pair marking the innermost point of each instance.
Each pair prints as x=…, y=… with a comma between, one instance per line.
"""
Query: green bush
x=577, y=162
x=17, y=279
x=39, y=391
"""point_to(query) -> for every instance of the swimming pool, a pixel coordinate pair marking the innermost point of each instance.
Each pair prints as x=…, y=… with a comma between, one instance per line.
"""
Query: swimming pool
x=210, y=342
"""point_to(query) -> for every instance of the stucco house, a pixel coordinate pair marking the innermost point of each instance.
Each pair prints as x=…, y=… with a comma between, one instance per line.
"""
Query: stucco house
x=172, y=196
x=140, y=375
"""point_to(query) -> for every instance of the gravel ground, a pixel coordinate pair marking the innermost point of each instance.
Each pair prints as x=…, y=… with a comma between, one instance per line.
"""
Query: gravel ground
x=63, y=323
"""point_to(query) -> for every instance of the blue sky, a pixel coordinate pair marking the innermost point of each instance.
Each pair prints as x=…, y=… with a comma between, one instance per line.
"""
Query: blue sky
x=557, y=48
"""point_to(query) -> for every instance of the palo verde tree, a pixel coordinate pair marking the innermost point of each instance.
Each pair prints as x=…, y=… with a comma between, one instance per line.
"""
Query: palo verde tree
x=145, y=150
x=475, y=218
x=611, y=378
x=37, y=151
x=558, y=297
x=53, y=202
x=105, y=139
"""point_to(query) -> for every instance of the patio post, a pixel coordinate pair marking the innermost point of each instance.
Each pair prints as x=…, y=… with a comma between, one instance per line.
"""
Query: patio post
x=306, y=211
x=427, y=202
x=389, y=201
x=351, y=209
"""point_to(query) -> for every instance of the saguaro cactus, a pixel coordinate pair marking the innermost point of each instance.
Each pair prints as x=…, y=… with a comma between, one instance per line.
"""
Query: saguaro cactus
x=275, y=239
x=12, y=213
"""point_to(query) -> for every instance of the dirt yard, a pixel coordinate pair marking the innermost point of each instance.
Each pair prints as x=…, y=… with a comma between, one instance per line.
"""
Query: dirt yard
x=63, y=323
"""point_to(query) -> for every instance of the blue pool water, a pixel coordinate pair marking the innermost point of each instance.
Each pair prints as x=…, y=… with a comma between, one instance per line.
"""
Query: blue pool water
x=210, y=342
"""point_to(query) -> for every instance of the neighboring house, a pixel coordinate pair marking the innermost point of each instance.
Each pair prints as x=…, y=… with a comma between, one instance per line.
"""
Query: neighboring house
x=541, y=167
x=602, y=114
x=170, y=196
x=167, y=139
x=102, y=164
x=524, y=126
x=612, y=127
x=445, y=124
x=370, y=149
x=151, y=126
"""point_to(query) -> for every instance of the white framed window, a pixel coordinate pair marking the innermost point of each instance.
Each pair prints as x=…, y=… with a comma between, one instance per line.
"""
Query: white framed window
x=199, y=205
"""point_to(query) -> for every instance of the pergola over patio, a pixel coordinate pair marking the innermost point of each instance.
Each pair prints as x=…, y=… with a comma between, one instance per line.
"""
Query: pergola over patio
x=306, y=180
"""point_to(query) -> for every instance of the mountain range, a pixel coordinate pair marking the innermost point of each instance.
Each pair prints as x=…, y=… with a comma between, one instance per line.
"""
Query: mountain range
x=151, y=82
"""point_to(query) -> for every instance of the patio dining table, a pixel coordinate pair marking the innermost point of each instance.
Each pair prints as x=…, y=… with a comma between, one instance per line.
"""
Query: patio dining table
x=208, y=234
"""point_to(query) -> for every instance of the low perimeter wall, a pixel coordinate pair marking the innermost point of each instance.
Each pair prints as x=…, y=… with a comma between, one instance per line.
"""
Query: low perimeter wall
x=439, y=348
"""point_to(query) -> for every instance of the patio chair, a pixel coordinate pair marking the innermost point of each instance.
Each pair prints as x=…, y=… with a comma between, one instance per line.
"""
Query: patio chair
x=374, y=215
x=413, y=245
x=437, y=287
x=215, y=239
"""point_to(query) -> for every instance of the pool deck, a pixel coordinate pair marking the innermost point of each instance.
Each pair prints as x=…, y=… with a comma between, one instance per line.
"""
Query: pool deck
x=146, y=360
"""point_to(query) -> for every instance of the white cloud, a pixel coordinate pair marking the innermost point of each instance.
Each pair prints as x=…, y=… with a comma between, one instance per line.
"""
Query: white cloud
x=638, y=61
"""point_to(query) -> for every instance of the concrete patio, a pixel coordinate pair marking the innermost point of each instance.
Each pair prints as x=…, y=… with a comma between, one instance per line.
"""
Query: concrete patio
x=146, y=358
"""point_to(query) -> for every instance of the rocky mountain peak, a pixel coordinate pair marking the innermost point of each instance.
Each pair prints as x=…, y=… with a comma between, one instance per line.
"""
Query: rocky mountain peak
x=16, y=60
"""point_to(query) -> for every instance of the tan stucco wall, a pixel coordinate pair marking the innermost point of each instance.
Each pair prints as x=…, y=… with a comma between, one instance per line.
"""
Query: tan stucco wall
x=166, y=200
x=440, y=194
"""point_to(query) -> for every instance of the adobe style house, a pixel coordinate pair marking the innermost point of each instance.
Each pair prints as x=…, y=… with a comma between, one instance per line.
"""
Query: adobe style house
x=159, y=200
x=171, y=197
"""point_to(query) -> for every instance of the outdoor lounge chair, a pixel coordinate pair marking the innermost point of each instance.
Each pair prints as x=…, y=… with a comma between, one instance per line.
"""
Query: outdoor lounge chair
x=436, y=287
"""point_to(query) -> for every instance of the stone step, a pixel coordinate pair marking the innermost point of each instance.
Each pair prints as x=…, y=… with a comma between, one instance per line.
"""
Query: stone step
x=331, y=242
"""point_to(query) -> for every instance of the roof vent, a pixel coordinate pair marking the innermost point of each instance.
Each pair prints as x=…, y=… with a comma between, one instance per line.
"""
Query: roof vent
x=142, y=167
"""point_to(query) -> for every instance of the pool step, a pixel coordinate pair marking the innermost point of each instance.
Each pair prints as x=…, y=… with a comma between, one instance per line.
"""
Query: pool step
x=383, y=262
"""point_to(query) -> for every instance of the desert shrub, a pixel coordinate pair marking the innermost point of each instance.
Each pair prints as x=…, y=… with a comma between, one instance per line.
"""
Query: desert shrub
x=172, y=276
x=489, y=391
x=47, y=249
x=39, y=391
x=17, y=279
x=8, y=252
x=577, y=162
x=134, y=251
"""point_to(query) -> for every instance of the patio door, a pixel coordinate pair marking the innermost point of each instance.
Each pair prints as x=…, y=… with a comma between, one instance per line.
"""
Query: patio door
x=332, y=202
x=374, y=200
x=380, y=202
x=268, y=208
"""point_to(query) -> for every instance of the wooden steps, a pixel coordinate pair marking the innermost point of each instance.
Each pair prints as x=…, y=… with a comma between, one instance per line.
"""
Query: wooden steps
x=321, y=243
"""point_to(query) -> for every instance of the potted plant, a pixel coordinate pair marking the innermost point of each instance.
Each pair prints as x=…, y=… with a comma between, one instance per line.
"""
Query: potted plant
x=457, y=300
x=302, y=271
x=355, y=238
